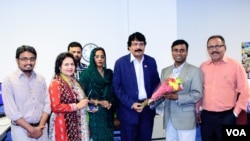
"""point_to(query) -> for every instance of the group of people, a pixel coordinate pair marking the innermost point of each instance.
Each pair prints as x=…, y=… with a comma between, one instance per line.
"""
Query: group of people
x=81, y=100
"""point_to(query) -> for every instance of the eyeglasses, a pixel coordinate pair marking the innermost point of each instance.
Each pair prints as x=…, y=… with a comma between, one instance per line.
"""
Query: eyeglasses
x=215, y=47
x=25, y=59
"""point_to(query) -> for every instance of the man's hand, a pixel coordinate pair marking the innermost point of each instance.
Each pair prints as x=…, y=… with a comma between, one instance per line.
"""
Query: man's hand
x=137, y=107
x=32, y=132
x=171, y=96
x=36, y=132
x=198, y=118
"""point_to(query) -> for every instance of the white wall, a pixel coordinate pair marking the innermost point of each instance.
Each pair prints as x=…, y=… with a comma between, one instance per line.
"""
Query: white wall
x=50, y=25
x=197, y=20
x=157, y=21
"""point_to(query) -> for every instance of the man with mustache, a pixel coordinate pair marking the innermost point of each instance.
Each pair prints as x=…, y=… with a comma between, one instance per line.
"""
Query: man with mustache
x=26, y=99
x=225, y=90
x=135, y=78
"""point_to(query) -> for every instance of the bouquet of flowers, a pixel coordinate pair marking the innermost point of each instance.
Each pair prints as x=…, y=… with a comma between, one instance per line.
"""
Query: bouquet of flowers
x=171, y=84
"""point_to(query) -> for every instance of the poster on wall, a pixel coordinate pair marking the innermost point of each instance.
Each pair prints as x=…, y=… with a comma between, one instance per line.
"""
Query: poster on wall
x=245, y=46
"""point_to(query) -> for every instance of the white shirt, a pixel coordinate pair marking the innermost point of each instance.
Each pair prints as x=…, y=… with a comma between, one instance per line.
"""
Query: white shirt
x=139, y=76
x=177, y=70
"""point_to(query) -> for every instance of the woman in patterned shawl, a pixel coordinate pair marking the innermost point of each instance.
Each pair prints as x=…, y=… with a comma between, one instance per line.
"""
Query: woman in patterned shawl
x=97, y=83
x=69, y=118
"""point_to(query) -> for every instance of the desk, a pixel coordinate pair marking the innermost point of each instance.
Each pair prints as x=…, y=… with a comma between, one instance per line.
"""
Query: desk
x=4, y=126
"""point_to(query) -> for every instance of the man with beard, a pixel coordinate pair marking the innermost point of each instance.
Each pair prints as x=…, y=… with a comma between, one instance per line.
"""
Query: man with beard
x=179, y=107
x=26, y=99
x=225, y=90
x=135, y=78
x=76, y=49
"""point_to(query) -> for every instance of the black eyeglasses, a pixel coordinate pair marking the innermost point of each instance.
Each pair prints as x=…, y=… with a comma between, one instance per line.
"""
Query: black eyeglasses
x=25, y=59
x=215, y=47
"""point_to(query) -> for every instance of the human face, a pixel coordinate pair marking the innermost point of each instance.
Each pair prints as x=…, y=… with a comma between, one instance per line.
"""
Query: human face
x=179, y=54
x=68, y=67
x=99, y=58
x=26, y=62
x=137, y=49
x=216, y=49
x=77, y=53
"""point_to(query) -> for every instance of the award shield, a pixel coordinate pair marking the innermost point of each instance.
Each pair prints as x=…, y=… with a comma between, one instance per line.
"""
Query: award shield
x=91, y=97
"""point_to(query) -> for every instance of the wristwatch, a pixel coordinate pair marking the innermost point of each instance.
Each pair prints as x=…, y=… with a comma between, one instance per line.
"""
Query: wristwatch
x=86, y=50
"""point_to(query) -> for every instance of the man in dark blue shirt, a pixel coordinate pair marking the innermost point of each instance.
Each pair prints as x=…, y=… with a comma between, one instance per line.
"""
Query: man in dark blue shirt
x=76, y=49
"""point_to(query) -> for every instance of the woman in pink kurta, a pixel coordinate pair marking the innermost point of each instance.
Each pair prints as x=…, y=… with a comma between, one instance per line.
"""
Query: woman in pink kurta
x=68, y=121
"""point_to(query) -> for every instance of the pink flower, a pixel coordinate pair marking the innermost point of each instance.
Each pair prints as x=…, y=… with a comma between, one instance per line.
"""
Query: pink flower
x=169, y=85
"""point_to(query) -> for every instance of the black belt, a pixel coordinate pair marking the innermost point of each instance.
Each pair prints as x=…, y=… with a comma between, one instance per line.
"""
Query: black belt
x=212, y=112
x=32, y=124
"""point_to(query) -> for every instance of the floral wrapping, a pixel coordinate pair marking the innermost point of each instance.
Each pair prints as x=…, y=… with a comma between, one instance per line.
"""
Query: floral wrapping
x=169, y=85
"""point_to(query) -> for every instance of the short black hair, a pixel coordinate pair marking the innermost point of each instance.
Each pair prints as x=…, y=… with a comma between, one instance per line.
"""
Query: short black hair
x=60, y=59
x=136, y=36
x=74, y=44
x=179, y=42
x=24, y=48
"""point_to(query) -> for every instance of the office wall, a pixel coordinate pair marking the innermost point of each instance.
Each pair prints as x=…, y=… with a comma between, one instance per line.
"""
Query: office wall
x=197, y=20
x=50, y=25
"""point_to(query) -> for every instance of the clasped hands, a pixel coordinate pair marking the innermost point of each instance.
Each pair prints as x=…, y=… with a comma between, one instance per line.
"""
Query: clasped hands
x=36, y=132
